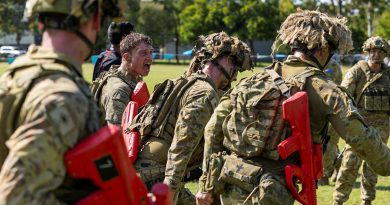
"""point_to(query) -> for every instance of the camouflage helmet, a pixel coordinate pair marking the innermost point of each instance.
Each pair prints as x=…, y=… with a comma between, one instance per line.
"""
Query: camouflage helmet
x=209, y=48
x=81, y=10
x=313, y=29
x=376, y=42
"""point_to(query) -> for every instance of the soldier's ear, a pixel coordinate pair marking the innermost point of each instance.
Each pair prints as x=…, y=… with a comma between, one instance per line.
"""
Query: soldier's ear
x=126, y=57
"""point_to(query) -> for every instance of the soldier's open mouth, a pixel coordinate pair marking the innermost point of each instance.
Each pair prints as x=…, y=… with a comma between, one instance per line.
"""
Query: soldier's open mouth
x=147, y=67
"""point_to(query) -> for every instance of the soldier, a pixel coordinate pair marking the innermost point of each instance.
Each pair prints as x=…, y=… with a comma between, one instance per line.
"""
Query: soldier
x=175, y=147
x=116, y=86
x=116, y=32
x=330, y=160
x=369, y=84
x=241, y=164
x=52, y=107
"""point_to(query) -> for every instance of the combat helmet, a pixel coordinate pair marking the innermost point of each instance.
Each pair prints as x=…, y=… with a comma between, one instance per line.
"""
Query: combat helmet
x=376, y=42
x=68, y=14
x=209, y=48
x=310, y=30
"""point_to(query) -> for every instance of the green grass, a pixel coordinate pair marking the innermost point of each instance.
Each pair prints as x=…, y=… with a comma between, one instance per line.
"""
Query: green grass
x=160, y=72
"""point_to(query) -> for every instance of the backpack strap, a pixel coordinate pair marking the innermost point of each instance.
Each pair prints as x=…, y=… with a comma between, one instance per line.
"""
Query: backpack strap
x=100, y=82
x=279, y=81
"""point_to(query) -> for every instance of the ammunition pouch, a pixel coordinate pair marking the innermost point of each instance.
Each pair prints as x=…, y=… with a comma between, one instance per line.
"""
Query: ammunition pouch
x=225, y=169
x=239, y=172
x=376, y=100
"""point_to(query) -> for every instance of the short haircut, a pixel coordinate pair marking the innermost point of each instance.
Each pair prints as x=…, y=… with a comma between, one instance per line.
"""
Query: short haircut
x=133, y=40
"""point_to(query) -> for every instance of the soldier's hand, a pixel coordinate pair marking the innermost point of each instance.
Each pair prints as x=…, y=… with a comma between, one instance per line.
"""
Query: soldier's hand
x=203, y=198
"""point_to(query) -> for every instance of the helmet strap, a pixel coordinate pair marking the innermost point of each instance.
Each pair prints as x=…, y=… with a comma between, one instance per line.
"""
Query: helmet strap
x=224, y=72
x=315, y=60
x=86, y=41
x=56, y=21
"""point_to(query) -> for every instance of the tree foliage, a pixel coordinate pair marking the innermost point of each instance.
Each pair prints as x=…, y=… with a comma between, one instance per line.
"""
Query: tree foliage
x=155, y=25
x=383, y=26
x=11, y=13
x=248, y=19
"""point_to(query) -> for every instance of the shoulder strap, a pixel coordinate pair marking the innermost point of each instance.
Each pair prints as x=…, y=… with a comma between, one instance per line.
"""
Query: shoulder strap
x=279, y=81
x=100, y=82
x=176, y=94
x=35, y=72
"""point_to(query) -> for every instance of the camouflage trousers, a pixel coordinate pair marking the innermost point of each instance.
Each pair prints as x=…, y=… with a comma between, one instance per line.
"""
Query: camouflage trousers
x=351, y=163
x=271, y=191
x=331, y=153
x=152, y=172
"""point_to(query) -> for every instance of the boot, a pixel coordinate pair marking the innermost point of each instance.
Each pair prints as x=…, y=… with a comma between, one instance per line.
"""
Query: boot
x=366, y=202
x=323, y=181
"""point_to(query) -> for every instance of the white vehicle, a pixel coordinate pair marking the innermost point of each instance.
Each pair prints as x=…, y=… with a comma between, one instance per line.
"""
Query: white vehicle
x=11, y=51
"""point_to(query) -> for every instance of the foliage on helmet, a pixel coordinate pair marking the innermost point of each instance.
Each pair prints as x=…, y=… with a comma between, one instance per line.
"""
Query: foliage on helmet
x=209, y=48
x=79, y=9
x=376, y=42
x=313, y=30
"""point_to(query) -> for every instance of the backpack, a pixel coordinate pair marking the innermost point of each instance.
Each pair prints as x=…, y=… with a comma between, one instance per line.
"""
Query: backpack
x=165, y=97
x=98, y=84
x=15, y=84
x=255, y=125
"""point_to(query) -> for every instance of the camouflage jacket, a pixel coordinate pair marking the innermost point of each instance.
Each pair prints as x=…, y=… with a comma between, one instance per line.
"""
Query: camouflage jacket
x=359, y=77
x=116, y=94
x=333, y=70
x=327, y=103
x=57, y=112
x=193, y=112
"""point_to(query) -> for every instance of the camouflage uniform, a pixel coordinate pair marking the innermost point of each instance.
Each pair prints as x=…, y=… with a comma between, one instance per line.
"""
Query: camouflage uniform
x=327, y=102
x=57, y=112
x=174, y=147
x=306, y=32
x=116, y=94
x=333, y=70
x=168, y=158
x=355, y=81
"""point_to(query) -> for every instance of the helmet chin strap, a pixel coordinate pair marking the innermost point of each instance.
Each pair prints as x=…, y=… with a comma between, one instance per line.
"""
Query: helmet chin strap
x=55, y=21
x=315, y=60
x=224, y=72
x=86, y=41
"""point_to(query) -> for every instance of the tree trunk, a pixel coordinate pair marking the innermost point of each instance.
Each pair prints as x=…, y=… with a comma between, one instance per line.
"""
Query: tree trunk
x=18, y=38
x=333, y=7
x=340, y=7
x=369, y=18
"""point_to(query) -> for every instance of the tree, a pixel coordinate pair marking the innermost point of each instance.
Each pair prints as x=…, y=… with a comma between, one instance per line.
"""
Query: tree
x=173, y=8
x=248, y=19
x=383, y=25
x=155, y=25
x=11, y=14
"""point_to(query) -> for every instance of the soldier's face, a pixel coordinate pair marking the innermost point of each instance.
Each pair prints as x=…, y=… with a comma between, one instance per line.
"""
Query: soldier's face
x=376, y=56
x=227, y=64
x=140, y=60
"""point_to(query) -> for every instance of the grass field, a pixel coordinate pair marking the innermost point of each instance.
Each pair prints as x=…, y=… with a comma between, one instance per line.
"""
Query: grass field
x=161, y=72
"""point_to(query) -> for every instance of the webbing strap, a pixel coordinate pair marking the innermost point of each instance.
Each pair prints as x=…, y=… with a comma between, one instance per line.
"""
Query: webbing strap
x=279, y=82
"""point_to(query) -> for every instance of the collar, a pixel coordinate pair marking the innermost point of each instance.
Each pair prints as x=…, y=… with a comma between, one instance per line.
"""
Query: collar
x=35, y=52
